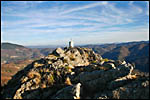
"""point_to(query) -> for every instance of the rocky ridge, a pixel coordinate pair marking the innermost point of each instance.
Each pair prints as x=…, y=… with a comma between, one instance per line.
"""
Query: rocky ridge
x=77, y=73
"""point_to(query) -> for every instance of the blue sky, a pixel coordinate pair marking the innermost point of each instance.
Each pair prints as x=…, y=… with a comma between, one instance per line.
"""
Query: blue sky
x=86, y=22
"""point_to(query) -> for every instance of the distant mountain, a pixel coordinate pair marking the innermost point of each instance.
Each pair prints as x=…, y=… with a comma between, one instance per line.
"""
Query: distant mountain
x=14, y=53
x=133, y=52
x=46, y=51
x=10, y=46
x=44, y=46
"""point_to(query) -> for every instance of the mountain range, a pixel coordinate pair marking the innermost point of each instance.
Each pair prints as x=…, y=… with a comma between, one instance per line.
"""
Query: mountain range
x=133, y=52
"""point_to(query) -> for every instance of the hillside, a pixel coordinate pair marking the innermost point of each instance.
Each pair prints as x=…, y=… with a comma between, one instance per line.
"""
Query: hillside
x=77, y=73
x=12, y=53
x=133, y=52
x=14, y=57
x=9, y=70
x=10, y=46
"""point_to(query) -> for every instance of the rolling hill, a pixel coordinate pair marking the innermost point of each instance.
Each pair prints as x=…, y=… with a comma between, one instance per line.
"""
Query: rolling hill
x=133, y=52
x=13, y=52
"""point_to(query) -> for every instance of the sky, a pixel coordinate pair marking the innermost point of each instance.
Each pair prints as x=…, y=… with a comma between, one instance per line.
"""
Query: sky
x=85, y=22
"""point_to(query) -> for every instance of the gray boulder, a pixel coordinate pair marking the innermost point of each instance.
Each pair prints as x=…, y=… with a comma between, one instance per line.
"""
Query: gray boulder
x=70, y=92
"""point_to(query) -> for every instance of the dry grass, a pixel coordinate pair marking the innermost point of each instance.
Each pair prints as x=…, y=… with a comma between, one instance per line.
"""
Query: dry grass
x=37, y=81
x=105, y=60
x=51, y=56
x=36, y=64
x=50, y=79
x=58, y=73
x=24, y=79
x=33, y=74
x=72, y=57
x=49, y=62
x=68, y=82
x=65, y=61
x=81, y=69
x=93, y=61
x=76, y=97
x=122, y=88
x=103, y=68
x=131, y=76
x=68, y=68
x=86, y=55
x=43, y=85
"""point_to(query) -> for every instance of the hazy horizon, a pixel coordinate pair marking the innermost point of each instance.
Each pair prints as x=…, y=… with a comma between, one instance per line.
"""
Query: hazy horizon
x=68, y=44
x=33, y=23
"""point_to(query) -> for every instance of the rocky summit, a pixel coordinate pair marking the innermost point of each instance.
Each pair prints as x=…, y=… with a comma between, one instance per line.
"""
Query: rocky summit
x=77, y=73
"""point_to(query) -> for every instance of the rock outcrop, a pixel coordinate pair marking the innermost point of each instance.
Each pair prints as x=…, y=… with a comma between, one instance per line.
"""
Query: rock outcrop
x=77, y=73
